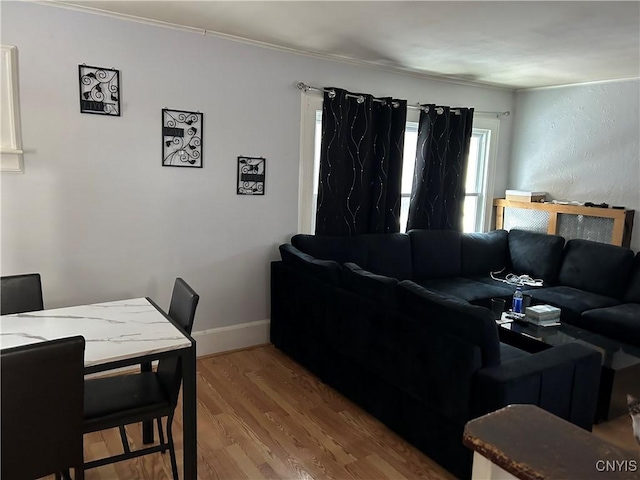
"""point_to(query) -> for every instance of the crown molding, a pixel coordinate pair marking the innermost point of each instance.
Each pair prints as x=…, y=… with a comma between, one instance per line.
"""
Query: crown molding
x=335, y=58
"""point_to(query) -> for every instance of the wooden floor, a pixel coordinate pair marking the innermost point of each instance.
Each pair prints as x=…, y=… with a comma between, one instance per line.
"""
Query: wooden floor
x=261, y=415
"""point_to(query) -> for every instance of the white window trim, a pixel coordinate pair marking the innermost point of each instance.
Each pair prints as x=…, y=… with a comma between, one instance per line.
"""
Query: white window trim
x=492, y=125
x=310, y=102
x=11, y=154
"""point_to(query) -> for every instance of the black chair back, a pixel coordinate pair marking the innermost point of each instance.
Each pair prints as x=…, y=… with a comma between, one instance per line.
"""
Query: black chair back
x=182, y=310
x=21, y=293
x=42, y=408
x=184, y=301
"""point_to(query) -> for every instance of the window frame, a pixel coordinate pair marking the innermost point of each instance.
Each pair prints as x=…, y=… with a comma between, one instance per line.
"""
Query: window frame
x=11, y=154
x=490, y=124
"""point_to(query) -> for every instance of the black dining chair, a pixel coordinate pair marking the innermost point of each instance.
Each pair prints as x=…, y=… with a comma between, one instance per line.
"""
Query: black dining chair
x=42, y=404
x=20, y=293
x=125, y=399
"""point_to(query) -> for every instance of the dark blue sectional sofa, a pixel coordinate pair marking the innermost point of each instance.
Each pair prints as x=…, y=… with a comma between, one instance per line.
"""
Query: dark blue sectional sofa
x=398, y=324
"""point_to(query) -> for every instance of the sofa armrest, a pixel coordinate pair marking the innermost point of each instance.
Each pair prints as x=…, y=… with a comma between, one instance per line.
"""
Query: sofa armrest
x=563, y=380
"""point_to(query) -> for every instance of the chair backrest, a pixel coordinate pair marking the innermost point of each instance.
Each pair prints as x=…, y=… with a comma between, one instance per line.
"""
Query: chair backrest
x=21, y=293
x=42, y=408
x=184, y=301
x=182, y=309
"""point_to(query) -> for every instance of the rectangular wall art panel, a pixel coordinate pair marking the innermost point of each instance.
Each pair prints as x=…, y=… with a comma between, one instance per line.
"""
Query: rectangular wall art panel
x=181, y=138
x=251, y=175
x=99, y=90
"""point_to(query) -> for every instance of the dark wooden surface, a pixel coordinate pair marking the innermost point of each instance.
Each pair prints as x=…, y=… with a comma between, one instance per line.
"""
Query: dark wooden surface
x=531, y=443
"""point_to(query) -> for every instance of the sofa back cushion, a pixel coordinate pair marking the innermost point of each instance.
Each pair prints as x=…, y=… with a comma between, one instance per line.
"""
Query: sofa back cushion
x=435, y=254
x=471, y=324
x=481, y=253
x=387, y=254
x=632, y=294
x=596, y=267
x=326, y=270
x=339, y=249
x=379, y=288
x=536, y=254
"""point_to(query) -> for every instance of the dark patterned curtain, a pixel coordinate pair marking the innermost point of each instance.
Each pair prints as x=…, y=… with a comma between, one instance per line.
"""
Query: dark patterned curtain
x=360, y=164
x=437, y=195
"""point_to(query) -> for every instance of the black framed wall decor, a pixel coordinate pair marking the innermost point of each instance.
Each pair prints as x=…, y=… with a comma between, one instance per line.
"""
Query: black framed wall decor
x=181, y=138
x=99, y=90
x=251, y=175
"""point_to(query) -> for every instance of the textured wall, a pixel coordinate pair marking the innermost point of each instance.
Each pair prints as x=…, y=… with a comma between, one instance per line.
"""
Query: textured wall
x=580, y=143
x=97, y=214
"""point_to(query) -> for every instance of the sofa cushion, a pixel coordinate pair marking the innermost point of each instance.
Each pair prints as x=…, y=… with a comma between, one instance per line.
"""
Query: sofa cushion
x=388, y=254
x=339, y=249
x=536, y=254
x=375, y=287
x=453, y=316
x=621, y=322
x=326, y=270
x=508, y=352
x=596, y=267
x=435, y=253
x=632, y=293
x=469, y=289
x=481, y=253
x=572, y=301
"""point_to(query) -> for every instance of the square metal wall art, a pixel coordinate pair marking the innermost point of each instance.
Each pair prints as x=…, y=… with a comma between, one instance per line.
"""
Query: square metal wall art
x=251, y=175
x=181, y=138
x=99, y=90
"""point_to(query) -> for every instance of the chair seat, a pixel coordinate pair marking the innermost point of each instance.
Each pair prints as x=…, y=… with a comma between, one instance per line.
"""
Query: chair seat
x=110, y=401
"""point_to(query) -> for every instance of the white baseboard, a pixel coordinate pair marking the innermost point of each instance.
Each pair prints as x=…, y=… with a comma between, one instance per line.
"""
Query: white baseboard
x=224, y=339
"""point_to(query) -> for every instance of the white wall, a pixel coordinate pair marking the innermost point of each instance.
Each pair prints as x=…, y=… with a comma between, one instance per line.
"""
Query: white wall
x=580, y=143
x=97, y=214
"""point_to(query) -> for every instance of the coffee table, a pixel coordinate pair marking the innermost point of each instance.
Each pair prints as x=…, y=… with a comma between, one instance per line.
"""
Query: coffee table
x=620, y=362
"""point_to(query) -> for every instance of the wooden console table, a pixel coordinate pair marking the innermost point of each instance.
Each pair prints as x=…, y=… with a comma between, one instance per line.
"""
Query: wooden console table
x=526, y=442
x=607, y=225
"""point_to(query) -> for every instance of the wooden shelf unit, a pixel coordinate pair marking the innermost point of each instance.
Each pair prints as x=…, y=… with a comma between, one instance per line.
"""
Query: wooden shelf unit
x=622, y=218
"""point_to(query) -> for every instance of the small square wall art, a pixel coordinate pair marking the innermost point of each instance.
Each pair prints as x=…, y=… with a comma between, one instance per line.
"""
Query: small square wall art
x=181, y=138
x=99, y=90
x=251, y=175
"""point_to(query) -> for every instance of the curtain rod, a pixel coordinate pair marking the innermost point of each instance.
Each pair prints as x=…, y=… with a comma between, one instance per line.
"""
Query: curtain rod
x=439, y=110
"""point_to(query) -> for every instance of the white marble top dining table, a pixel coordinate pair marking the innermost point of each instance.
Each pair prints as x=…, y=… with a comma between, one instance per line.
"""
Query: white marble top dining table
x=112, y=331
x=118, y=333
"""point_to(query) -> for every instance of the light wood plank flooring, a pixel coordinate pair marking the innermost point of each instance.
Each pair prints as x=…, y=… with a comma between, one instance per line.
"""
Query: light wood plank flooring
x=261, y=415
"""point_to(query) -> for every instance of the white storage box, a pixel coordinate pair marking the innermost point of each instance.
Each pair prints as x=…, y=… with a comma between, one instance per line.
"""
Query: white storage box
x=525, y=196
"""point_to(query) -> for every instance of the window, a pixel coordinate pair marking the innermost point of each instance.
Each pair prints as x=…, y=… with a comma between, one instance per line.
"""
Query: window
x=480, y=170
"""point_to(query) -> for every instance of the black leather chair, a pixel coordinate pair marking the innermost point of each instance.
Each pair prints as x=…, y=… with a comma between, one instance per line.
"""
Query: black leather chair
x=21, y=293
x=42, y=404
x=125, y=399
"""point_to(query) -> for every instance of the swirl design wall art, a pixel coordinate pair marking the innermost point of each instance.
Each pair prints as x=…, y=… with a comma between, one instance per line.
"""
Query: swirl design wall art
x=251, y=175
x=99, y=90
x=181, y=138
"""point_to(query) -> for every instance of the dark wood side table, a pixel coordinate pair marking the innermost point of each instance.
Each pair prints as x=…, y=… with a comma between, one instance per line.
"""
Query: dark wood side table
x=526, y=442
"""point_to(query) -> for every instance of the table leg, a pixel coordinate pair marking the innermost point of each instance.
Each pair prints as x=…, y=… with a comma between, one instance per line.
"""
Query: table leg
x=189, y=413
x=147, y=426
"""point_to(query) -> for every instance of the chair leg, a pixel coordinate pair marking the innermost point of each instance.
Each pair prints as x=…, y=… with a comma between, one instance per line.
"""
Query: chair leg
x=123, y=437
x=172, y=450
x=79, y=471
x=161, y=432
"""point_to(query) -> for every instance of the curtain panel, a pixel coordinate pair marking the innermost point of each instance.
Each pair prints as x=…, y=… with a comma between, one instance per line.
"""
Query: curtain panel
x=438, y=191
x=359, y=189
